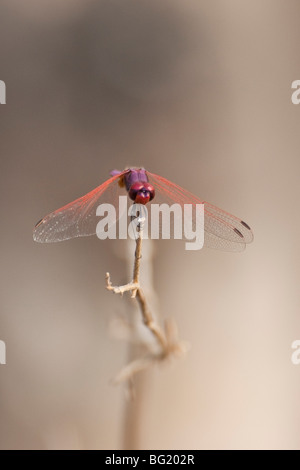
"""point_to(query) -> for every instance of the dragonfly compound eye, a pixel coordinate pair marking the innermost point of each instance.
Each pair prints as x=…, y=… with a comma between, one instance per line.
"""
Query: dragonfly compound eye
x=150, y=188
x=141, y=193
x=134, y=189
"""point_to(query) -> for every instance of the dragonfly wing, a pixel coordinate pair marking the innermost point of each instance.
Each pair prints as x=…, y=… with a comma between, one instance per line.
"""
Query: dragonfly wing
x=212, y=241
x=239, y=227
x=78, y=218
x=222, y=230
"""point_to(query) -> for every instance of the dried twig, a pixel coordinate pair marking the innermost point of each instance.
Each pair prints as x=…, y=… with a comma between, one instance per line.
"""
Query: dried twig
x=165, y=338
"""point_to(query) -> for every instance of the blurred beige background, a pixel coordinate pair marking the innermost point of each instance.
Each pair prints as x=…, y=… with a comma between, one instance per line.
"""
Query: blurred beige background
x=199, y=92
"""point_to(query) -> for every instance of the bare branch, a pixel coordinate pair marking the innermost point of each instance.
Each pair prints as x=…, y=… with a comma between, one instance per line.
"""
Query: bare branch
x=166, y=339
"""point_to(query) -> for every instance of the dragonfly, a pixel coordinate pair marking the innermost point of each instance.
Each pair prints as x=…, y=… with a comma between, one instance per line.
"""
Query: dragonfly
x=222, y=230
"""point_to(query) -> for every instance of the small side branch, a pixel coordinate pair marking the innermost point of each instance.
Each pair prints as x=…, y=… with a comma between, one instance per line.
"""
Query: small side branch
x=132, y=287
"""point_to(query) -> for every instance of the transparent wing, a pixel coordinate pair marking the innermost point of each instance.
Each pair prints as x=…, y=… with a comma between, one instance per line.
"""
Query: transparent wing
x=78, y=218
x=222, y=230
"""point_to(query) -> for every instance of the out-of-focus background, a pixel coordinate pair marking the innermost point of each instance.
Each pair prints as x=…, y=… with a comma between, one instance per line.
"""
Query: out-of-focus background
x=199, y=92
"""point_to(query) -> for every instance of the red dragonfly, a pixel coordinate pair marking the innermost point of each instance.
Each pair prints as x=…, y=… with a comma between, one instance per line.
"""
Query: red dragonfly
x=78, y=218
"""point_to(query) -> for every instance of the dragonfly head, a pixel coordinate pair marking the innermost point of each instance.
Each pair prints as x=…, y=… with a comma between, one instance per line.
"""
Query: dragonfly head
x=141, y=193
